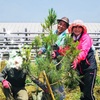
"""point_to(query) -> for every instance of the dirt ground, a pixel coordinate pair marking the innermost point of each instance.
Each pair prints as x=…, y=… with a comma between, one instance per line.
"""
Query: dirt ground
x=69, y=95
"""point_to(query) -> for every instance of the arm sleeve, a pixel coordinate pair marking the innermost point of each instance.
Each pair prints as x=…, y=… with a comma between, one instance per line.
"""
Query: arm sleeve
x=86, y=44
x=62, y=51
x=3, y=74
x=43, y=49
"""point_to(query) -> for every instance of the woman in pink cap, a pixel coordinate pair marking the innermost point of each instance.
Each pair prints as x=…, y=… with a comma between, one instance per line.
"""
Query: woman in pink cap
x=85, y=63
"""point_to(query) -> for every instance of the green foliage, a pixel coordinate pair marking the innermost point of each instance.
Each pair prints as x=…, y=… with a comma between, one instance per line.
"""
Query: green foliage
x=97, y=80
x=36, y=43
x=50, y=20
x=48, y=40
x=70, y=75
x=25, y=53
x=65, y=75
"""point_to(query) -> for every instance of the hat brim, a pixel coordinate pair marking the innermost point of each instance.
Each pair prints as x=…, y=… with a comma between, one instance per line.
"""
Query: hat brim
x=72, y=25
x=58, y=20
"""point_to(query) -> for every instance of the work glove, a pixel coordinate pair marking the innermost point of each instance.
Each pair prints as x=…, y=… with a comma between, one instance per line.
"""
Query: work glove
x=46, y=90
x=5, y=84
x=75, y=63
x=53, y=55
x=40, y=52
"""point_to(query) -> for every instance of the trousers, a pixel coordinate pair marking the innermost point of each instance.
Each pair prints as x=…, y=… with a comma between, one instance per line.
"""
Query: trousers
x=15, y=93
x=87, y=84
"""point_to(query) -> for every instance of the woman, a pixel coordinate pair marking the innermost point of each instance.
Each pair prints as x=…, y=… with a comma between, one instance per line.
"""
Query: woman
x=85, y=62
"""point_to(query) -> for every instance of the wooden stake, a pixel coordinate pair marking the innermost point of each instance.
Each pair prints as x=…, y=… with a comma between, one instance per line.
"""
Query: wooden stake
x=48, y=84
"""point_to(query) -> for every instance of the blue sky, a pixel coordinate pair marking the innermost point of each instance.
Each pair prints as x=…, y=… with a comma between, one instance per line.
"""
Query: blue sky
x=37, y=10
